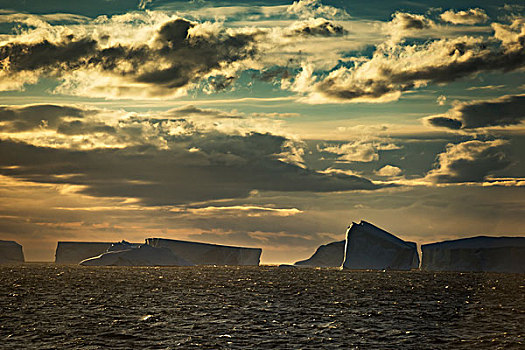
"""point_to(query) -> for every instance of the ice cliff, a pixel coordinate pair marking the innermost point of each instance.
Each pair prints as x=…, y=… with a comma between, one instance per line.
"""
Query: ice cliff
x=209, y=254
x=487, y=254
x=126, y=254
x=327, y=255
x=369, y=247
x=75, y=252
x=11, y=252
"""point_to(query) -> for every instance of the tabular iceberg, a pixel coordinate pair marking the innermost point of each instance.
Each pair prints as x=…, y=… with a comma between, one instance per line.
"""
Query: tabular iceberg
x=476, y=254
x=125, y=254
x=11, y=252
x=327, y=255
x=209, y=254
x=75, y=252
x=371, y=248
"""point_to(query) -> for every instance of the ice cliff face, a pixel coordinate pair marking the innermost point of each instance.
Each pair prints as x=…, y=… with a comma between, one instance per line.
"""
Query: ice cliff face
x=143, y=255
x=369, y=247
x=328, y=255
x=75, y=252
x=209, y=254
x=11, y=252
x=487, y=254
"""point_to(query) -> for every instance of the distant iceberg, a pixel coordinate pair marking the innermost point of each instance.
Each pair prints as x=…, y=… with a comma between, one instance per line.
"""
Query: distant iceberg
x=370, y=248
x=126, y=254
x=487, y=254
x=327, y=255
x=11, y=252
x=209, y=254
x=75, y=252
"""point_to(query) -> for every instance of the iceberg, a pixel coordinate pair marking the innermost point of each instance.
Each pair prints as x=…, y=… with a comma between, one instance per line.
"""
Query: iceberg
x=209, y=254
x=122, y=245
x=476, y=254
x=327, y=255
x=75, y=252
x=126, y=254
x=11, y=252
x=370, y=248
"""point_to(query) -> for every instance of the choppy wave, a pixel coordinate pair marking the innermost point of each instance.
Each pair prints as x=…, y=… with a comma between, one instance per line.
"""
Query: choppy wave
x=48, y=306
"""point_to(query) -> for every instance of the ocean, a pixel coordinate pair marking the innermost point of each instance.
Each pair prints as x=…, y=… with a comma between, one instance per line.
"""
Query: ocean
x=47, y=306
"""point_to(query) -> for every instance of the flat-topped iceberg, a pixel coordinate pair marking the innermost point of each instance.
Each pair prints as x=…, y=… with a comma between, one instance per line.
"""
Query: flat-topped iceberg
x=476, y=254
x=75, y=252
x=327, y=255
x=209, y=254
x=125, y=254
x=11, y=252
x=370, y=248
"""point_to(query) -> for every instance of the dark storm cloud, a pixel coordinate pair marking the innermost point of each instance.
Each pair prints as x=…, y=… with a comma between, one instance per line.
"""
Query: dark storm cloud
x=25, y=118
x=174, y=60
x=445, y=122
x=197, y=167
x=503, y=111
x=470, y=161
x=67, y=54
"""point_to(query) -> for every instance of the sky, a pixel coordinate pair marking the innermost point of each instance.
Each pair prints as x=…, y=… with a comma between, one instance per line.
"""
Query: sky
x=270, y=124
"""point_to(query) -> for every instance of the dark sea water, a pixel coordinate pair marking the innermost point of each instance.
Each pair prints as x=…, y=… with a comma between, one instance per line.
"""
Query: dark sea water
x=44, y=306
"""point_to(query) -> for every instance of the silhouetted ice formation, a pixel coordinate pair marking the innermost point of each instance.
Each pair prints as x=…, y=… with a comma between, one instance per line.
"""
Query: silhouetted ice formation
x=11, y=252
x=75, y=252
x=487, y=254
x=122, y=245
x=209, y=254
x=327, y=255
x=126, y=254
x=371, y=248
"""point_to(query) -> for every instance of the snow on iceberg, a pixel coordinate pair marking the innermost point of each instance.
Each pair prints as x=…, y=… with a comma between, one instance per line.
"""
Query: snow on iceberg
x=327, y=255
x=370, y=248
x=11, y=252
x=209, y=254
x=125, y=254
x=476, y=254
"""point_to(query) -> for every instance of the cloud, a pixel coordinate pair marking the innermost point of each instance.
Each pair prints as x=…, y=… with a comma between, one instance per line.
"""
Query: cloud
x=410, y=21
x=316, y=27
x=396, y=68
x=26, y=118
x=313, y=8
x=470, y=16
x=502, y=111
x=179, y=53
x=406, y=24
x=180, y=161
x=470, y=161
x=356, y=151
x=238, y=211
x=389, y=171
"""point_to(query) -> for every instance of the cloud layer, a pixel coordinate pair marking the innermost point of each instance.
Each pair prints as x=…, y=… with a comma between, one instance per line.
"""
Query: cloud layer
x=470, y=161
x=502, y=111
x=398, y=67
x=157, y=160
